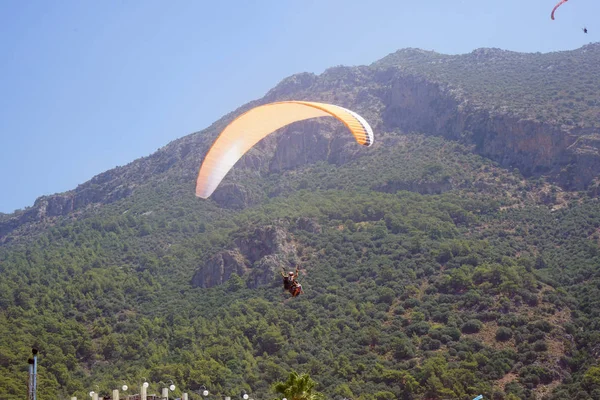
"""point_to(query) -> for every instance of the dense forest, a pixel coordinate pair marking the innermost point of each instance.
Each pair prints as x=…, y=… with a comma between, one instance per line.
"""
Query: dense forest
x=429, y=272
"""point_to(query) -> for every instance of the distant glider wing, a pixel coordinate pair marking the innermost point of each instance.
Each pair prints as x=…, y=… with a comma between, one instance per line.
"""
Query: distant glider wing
x=556, y=6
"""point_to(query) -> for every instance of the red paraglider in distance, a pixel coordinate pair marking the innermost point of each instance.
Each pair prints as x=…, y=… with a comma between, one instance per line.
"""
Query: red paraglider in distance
x=556, y=6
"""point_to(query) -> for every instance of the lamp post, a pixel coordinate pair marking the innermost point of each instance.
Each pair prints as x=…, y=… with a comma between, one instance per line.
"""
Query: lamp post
x=34, y=351
x=115, y=395
x=165, y=391
x=30, y=383
x=204, y=391
x=143, y=394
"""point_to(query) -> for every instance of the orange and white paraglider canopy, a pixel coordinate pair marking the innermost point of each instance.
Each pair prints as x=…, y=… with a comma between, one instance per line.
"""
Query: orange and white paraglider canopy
x=249, y=128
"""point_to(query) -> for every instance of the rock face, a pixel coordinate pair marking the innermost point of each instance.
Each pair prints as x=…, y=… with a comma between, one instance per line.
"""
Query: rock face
x=259, y=256
x=63, y=204
x=219, y=268
x=309, y=225
x=584, y=162
x=233, y=195
x=415, y=104
x=265, y=241
x=300, y=146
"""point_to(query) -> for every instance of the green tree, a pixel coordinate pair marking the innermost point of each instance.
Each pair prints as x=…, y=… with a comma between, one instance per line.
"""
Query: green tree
x=235, y=283
x=591, y=378
x=298, y=387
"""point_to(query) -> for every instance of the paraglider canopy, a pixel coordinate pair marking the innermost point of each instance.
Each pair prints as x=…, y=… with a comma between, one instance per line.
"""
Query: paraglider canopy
x=249, y=128
x=556, y=6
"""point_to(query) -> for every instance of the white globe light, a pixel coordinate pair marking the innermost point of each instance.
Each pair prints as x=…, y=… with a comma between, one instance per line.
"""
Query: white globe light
x=205, y=393
x=124, y=388
x=145, y=384
x=92, y=393
x=245, y=396
x=172, y=387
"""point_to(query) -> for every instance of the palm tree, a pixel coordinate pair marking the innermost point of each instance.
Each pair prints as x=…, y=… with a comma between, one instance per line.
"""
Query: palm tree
x=298, y=387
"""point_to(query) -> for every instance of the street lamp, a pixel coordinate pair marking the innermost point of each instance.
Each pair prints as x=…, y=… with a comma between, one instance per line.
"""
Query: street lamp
x=30, y=384
x=144, y=394
x=165, y=391
x=204, y=392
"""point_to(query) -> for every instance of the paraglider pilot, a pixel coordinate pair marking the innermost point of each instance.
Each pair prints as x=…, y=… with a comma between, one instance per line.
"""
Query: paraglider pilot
x=290, y=282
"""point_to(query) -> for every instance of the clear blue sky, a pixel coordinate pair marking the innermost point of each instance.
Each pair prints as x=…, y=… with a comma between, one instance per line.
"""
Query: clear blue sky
x=87, y=85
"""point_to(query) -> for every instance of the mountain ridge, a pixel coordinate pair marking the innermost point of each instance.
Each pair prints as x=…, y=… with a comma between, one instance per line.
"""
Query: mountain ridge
x=398, y=93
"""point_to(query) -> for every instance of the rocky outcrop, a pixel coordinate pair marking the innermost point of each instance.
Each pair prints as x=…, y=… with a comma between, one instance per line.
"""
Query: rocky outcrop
x=415, y=104
x=258, y=256
x=265, y=241
x=219, y=268
x=301, y=145
x=310, y=142
x=584, y=162
x=234, y=196
x=309, y=225
x=48, y=207
x=264, y=269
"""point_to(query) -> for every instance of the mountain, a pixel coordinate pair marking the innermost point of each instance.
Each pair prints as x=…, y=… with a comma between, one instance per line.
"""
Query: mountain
x=457, y=256
x=535, y=112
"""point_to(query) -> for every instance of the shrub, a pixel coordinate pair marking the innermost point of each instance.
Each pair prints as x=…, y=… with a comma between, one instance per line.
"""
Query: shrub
x=540, y=345
x=472, y=326
x=503, y=334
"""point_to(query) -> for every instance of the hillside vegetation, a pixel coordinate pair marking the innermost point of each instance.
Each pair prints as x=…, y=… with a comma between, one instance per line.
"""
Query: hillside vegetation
x=429, y=270
x=407, y=295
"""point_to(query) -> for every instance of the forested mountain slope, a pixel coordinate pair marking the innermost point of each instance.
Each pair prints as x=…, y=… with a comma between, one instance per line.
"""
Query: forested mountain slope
x=437, y=263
